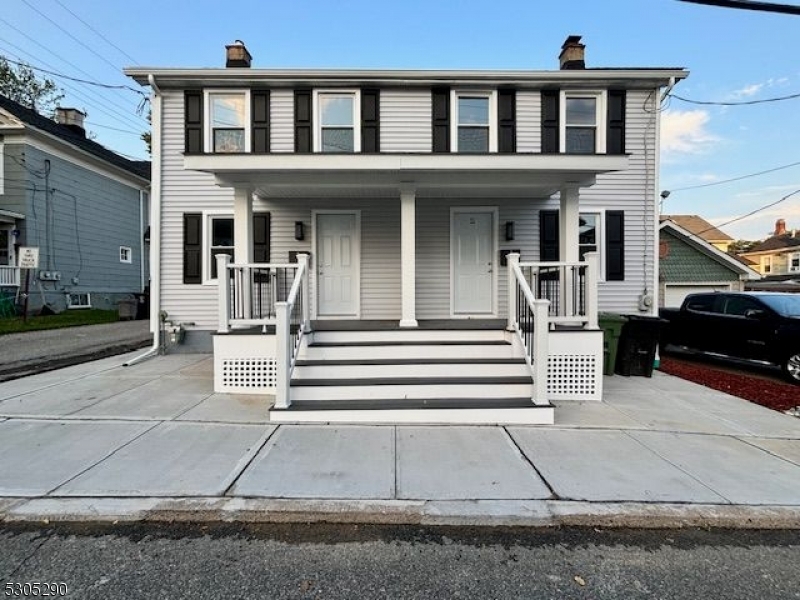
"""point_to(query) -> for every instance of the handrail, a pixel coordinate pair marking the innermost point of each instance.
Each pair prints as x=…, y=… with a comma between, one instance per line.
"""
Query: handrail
x=288, y=346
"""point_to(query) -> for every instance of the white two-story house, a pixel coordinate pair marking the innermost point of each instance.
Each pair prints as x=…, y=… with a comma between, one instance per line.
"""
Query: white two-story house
x=404, y=246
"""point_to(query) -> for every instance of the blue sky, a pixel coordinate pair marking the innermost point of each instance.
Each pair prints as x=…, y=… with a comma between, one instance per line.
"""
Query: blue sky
x=733, y=55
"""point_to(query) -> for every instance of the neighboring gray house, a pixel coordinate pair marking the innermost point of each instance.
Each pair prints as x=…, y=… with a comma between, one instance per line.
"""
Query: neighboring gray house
x=405, y=245
x=83, y=206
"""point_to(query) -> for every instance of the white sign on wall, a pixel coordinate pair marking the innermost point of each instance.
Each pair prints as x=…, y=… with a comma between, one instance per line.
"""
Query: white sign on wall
x=29, y=257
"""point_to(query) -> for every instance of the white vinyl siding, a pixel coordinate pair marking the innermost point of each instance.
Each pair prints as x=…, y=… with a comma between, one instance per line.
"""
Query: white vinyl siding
x=281, y=116
x=406, y=120
x=529, y=121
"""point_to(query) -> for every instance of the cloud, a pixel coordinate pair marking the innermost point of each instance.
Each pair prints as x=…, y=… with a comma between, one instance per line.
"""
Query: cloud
x=684, y=132
x=748, y=90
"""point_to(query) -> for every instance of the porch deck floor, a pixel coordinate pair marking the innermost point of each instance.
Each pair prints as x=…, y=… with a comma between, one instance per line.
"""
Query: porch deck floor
x=394, y=325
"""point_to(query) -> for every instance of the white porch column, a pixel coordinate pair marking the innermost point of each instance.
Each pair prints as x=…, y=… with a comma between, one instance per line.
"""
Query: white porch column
x=408, y=257
x=569, y=222
x=242, y=226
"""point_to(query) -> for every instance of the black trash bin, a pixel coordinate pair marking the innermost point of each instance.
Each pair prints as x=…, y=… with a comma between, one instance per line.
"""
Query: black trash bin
x=638, y=342
x=142, y=306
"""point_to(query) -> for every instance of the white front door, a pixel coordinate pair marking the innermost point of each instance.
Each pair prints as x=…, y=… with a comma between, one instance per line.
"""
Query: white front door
x=472, y=253
x=338, y=264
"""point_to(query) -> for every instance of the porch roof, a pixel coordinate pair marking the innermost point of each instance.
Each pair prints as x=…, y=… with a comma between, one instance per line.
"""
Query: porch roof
x=527, y=175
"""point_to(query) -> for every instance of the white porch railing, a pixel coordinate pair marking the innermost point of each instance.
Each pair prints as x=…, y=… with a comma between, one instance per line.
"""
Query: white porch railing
x=267, y=294
x=571, y=289
x=543, y=295
x=9, y=276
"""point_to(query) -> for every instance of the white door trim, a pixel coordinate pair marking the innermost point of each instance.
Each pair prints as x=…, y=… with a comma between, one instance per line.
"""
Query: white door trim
x=494, y=211
x=315, y=262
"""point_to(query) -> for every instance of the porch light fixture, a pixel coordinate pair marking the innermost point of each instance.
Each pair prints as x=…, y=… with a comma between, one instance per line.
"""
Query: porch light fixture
x=299, y=231
x=509, y=231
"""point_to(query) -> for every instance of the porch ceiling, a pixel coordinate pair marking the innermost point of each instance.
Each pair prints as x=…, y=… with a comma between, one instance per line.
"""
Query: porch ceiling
x=319, y=175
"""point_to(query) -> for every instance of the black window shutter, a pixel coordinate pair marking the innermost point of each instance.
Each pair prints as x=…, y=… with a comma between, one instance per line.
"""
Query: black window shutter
x=440, y=119
x=507, y=121
x=548, y=236
x=615, y=136
x=193, y=121
x=260, y=117
x=370, y=120
x=302, y=121
x=192, y=248
x=615, y=245
x=261, y=237
x=550, y=121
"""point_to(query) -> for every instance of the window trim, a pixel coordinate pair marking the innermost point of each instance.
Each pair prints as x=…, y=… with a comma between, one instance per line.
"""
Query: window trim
x=454, y=124
x=71, y=295
x=317, y=117
x=789, y=267
x=601, y=123
x=600, y=242
x=767, y=264
x=208, y=216
x=209, y=129
x=126, y=250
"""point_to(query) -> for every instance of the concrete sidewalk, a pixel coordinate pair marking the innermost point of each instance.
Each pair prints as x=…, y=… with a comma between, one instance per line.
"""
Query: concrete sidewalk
x=32, y=352
x=152, y=441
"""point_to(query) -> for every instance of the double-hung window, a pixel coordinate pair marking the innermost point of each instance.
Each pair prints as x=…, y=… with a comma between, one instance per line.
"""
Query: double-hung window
x=766, y=264
x=583, y=122
x=220, y=240
x=338, y=118
x=228, y=119
x=794, y=262
x=475, y=119
x=590, y=237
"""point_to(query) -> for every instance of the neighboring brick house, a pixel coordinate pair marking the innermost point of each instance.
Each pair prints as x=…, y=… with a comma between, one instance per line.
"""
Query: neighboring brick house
x=689, y=264
x=779, y=254
x=83, y=206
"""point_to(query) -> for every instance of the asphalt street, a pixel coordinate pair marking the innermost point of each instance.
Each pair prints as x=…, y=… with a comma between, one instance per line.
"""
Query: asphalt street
x=347, y=562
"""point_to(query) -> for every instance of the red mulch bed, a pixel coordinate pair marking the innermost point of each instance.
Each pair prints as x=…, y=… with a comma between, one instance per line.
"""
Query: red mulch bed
x=760, y=390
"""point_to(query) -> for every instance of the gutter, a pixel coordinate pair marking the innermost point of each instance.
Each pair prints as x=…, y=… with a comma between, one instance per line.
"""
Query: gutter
x=155, y=227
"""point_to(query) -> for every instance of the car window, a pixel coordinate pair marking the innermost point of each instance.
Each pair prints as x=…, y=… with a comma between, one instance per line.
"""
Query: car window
x=701, y=303
x=787, y=305
x=739, y=305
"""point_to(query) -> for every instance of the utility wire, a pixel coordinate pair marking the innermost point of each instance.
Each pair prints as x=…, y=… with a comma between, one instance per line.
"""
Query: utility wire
x=109, y=42
x=788, y=9
x=705, y=185
x=93, y=124
x=735, y=103
x=751, y=213
x=89, y=48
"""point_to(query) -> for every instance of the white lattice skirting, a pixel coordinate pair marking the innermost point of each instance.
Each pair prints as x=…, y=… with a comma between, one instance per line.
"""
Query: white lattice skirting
x=575, y=365
x=244, y=364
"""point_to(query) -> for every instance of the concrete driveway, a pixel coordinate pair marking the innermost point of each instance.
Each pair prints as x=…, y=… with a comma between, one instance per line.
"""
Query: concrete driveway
x=99, y=440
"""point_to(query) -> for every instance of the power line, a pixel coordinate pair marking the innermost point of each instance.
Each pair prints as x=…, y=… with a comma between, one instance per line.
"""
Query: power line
x=107, y=86
x=121, y=51
x=137, y=133
x=736, y=103
x=89, y=48
x=788, y=9
x=705, y=185
x=752, y=212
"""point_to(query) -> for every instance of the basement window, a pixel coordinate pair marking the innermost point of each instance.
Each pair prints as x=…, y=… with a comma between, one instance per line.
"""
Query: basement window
x=79, y=300
x=125, y=255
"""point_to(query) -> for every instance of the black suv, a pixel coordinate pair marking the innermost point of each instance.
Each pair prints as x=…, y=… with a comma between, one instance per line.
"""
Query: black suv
x=751, y=325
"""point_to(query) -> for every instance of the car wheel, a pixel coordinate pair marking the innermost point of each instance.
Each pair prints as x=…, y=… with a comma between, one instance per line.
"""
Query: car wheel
x=791, y=367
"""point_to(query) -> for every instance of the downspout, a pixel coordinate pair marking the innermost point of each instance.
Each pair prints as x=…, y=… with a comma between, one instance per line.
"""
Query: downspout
x=155, y=225
x=141, y=240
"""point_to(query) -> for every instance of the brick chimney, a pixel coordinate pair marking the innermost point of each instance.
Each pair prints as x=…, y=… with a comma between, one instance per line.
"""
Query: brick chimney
x=236, y=55
x=572, y=53
x=71, y=118
x=780, y=227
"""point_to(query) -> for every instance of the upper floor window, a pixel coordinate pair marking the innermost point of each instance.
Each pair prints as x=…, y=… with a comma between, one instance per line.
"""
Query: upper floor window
x=228, y=118
x=583, y=122
x=475, y=119
x=794, y=263
x=125, y=254
x=766, y=264
x=338, y=122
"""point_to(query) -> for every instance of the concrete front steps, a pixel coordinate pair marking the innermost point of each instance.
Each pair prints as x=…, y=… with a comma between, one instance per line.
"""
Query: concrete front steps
x=431, y=376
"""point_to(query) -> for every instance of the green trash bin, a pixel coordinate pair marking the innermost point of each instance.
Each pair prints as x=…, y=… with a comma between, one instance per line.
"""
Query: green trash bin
x=611, y=324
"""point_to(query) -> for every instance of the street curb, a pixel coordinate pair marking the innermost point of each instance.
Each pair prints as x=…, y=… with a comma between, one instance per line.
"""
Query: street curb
x=17, y=370
x=480, y=513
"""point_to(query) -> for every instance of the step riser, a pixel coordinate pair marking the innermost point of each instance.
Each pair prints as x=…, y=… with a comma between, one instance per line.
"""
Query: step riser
x=409, y=335
x=409, y=351
x=448, y=371
x=398, y=392
x=466, y=416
